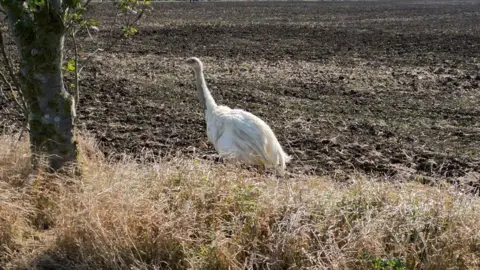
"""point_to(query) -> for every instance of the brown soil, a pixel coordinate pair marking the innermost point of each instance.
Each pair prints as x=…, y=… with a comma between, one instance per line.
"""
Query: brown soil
x=377, y=87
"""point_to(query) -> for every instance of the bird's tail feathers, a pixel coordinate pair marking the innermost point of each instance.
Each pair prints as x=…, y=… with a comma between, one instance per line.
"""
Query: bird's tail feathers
x=276, y=154
x=283, y=159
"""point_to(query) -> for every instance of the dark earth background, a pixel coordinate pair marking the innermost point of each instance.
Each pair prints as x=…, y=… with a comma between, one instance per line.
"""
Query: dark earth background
x=389, y=87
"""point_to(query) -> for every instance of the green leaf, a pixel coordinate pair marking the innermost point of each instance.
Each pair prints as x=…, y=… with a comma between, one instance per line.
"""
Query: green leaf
x=76, y=16
x=129, y=31
x=72, y=3
x=71, y=65
x=93, y=22
x=36, y=2
x=72, y=85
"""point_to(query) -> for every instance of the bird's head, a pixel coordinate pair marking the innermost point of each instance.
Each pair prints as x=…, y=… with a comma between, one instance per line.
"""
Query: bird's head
x=195, y=64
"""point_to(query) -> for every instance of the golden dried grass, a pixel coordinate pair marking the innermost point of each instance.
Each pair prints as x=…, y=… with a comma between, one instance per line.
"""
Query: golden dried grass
x=193, y=214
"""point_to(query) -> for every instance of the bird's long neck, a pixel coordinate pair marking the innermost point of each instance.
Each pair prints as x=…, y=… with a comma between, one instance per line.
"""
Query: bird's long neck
x=204, y=94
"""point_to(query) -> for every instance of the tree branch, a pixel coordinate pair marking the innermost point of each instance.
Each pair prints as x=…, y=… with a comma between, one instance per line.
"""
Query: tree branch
x=86, y=3
x=57, y=4
x=120, y=37
x=113, y=23
x=77, y=84
x=23, y=105
x=4, y=79
x=24, y=109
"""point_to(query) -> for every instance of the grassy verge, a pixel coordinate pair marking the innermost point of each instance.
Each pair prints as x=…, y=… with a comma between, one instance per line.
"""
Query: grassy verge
x=192, y=214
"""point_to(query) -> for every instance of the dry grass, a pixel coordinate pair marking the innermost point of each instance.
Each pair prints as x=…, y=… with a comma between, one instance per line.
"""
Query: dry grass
x=191, y=214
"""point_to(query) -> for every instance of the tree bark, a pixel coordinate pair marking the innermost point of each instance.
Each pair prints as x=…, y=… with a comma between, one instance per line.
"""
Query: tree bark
x=40, y=42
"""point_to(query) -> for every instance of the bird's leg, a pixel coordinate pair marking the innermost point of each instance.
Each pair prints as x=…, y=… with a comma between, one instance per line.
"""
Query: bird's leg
x=203, y=144
x=261, y=168
x=219, y=158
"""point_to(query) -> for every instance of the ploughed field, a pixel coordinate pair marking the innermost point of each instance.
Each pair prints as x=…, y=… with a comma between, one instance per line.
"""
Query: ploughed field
x=379, y=87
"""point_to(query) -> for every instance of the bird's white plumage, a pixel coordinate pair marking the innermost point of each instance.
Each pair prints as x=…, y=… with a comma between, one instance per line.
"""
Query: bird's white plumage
x=236, y=134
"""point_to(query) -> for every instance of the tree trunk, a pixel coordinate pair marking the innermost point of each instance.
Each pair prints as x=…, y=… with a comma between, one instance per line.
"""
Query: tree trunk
x=40, y=42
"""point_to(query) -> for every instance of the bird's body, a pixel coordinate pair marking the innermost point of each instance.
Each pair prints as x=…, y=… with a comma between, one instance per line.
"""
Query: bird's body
x=236, y=134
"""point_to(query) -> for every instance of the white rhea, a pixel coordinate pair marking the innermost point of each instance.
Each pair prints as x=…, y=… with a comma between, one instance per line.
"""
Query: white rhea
x=236, y=134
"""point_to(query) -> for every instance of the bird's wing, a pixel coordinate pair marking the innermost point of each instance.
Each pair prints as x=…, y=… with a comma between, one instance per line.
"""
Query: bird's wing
x=215, y=129
x=249, y=136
